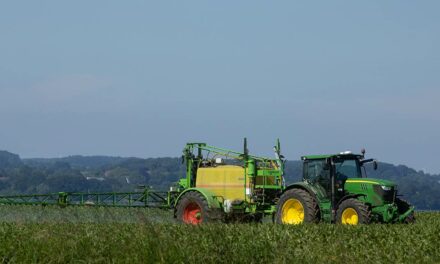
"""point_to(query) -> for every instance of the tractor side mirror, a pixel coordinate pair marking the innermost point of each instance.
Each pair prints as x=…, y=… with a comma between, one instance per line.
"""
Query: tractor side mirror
x=375, y=165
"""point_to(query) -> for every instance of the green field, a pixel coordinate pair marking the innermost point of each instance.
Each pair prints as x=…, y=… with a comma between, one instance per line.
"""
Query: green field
x=104, y=235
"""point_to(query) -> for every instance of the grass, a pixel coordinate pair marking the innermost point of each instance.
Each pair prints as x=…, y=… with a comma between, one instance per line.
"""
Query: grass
x=30, y=234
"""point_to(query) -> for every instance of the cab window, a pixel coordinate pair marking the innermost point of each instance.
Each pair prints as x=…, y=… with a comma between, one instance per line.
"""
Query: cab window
x=314, y=171
x=348, y=168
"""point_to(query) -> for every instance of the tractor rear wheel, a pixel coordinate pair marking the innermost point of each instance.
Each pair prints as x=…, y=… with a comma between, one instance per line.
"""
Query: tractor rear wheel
x=353, y=212
x=297, y=206
x=193, y=208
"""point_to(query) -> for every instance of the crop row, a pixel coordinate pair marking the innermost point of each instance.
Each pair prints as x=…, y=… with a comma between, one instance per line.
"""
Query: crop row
x=127, y=235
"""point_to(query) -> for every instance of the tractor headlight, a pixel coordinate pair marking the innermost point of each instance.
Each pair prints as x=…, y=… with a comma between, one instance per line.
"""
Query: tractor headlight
x=386, y=188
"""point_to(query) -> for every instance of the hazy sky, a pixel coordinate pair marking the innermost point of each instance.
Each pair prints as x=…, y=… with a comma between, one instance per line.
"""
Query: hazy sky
x=141, y=78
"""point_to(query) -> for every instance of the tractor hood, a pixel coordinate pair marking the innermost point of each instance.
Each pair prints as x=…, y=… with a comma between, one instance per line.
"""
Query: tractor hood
x=376, y=192
x=381, y=182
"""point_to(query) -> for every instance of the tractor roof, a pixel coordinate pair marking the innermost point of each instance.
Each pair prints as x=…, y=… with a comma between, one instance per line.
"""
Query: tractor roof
x=346, y=155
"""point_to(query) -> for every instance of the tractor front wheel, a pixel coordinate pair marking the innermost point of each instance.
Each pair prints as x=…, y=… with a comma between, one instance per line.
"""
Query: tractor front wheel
x=353, y=212
x=295, y=207
x=193, y=208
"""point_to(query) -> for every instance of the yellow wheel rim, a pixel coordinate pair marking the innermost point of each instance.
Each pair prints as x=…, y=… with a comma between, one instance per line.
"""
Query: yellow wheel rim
x=350, y=217
x=292, y=212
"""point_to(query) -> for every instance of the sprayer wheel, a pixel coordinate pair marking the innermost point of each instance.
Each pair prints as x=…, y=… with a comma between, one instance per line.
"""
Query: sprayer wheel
x=193, y=208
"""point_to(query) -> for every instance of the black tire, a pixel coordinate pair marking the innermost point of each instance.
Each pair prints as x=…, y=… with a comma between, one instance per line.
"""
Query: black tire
x=307, y=201
x=363, y=212
x=402, y=207
x=193, y=208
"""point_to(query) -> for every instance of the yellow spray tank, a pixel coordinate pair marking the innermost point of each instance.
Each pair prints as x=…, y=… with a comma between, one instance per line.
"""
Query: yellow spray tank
x=226, y=181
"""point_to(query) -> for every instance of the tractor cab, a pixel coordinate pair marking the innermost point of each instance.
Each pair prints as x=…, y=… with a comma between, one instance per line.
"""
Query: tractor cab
x=329, y=173
x=338, y=176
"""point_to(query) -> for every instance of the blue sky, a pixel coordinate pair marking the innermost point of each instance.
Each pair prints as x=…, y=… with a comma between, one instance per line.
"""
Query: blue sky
x=141, y=78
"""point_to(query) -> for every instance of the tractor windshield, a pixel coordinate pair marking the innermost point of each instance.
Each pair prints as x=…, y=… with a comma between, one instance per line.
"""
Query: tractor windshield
x=347, y=168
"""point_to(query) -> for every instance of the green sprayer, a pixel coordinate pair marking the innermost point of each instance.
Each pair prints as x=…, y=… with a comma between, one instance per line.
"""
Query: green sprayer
x=222, y=185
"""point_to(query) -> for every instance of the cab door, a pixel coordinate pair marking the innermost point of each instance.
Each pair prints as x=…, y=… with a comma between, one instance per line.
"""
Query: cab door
x=318, y=175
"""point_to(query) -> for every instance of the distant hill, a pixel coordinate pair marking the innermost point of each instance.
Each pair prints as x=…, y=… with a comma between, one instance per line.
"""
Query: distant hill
x=77, y=161
x=9, y=160
x=102, y=173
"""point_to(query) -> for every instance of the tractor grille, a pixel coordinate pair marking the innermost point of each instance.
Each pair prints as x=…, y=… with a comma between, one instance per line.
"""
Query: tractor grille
x=387, y=196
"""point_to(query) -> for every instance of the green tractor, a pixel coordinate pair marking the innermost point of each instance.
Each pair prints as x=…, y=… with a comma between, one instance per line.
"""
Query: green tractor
x=226, y=185
x=335, y=190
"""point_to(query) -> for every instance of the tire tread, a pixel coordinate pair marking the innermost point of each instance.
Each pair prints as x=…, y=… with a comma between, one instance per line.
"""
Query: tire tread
x=311, y=208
